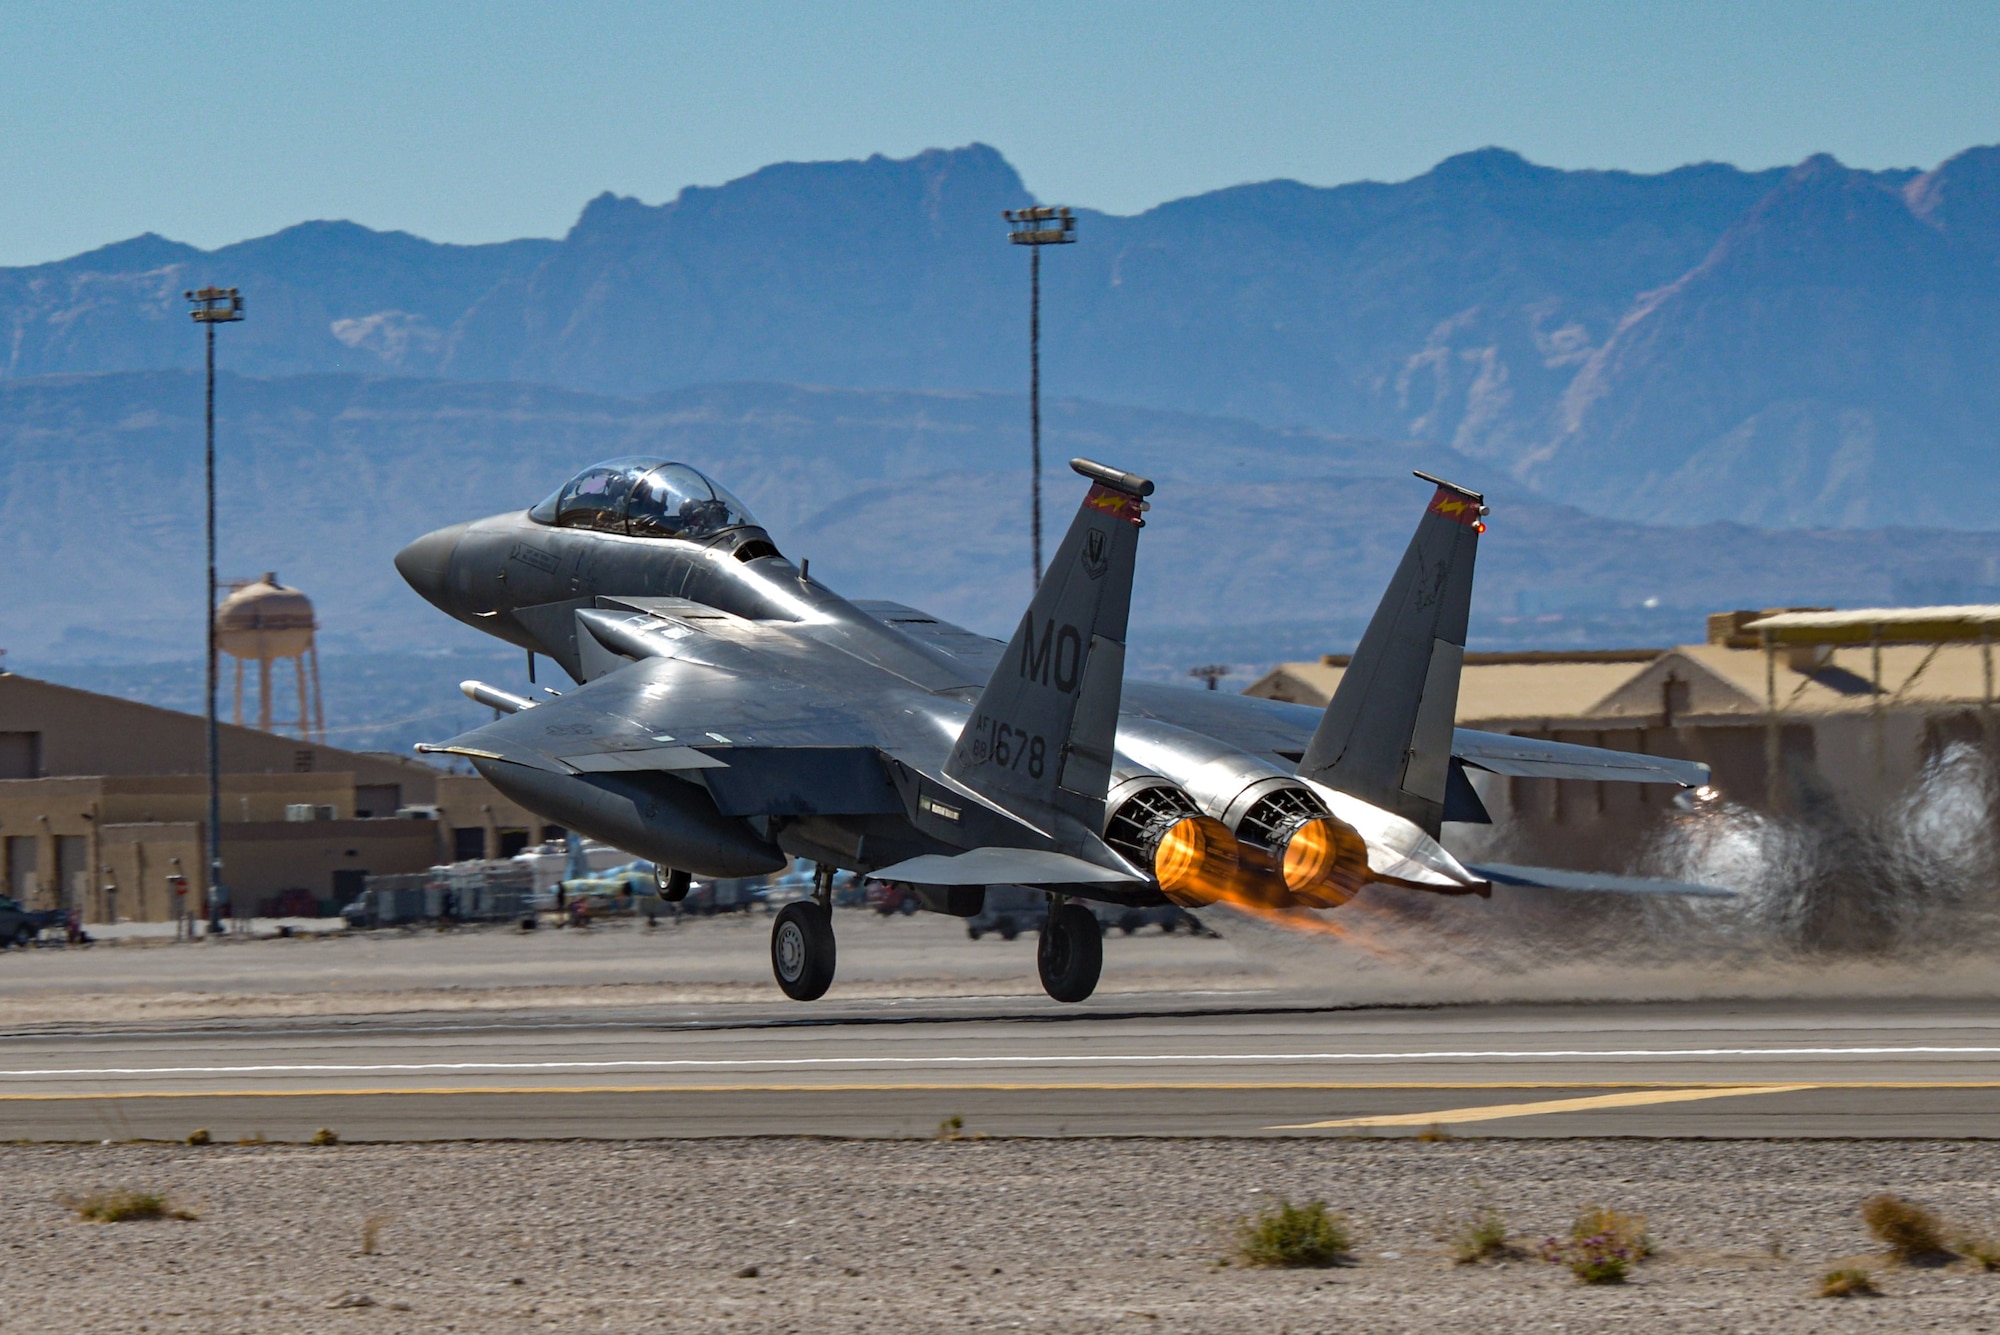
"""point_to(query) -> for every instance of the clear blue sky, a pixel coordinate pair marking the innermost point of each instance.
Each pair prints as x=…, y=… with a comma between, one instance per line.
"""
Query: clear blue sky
x=214, y=121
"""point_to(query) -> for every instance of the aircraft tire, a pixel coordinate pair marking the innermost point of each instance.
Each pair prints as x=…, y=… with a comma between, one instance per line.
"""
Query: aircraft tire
x=672, y=883
x=802, y=951
x=1070, y=954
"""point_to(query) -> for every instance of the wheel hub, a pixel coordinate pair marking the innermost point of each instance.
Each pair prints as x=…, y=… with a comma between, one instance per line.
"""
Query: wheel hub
x=791, y=952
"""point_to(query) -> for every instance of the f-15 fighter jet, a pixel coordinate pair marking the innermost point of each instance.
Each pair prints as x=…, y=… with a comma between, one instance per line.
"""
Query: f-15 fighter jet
x=732, y=711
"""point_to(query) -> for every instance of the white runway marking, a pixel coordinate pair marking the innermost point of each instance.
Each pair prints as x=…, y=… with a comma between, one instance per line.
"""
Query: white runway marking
x=1109, y=1059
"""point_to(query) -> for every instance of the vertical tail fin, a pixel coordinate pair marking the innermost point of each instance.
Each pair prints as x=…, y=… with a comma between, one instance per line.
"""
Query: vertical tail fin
x=1386, y=734
x=1039, y=741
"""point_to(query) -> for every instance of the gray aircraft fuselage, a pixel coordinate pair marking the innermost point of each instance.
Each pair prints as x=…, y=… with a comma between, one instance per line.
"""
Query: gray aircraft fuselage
x=525, y=582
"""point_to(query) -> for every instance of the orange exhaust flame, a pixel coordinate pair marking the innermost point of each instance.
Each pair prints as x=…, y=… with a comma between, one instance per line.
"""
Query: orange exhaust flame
x=1199, y=862
x=1196, y=854
x=1325, y=862
x=1257, y=902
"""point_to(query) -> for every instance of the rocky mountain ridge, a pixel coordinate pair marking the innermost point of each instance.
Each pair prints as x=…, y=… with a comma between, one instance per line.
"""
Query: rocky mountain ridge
x=1808, y=347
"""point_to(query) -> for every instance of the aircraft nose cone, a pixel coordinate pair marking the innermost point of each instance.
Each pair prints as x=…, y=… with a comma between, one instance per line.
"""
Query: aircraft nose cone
x=426, y=563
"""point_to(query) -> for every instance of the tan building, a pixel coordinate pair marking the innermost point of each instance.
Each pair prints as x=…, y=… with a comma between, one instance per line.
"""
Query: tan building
x=103, y=800
x=1847, y=714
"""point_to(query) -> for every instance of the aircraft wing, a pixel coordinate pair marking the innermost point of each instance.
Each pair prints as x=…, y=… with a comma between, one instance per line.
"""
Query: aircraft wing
x=978, y=652
x=762, y=743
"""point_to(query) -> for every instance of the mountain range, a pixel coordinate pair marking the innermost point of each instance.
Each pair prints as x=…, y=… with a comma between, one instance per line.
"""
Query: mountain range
x=1809, y=347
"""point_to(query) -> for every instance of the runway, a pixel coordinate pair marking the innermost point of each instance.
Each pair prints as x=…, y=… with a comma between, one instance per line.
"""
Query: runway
x=1168, y=1064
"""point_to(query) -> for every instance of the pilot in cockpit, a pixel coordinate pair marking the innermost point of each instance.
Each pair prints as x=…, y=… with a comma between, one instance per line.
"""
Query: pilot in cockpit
x=647, y=498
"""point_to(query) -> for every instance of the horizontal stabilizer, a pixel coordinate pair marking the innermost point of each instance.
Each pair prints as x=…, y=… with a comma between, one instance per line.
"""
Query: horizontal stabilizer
x=1000, y=866
x=1532, y=758
x=1551, y=878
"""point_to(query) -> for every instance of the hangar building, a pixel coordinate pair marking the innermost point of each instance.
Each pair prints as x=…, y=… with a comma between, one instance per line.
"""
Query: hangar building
x=103, y=799
x=1787, y=706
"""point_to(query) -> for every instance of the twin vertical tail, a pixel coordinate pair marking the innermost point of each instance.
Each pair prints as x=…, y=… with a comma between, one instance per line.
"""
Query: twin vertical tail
x=1386, y=735
x=1039, y=741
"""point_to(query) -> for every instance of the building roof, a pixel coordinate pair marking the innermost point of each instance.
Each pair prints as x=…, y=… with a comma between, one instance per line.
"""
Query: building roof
x=84, y=733
x=1492, y=686
x=1833, y=679
x=1691, y=680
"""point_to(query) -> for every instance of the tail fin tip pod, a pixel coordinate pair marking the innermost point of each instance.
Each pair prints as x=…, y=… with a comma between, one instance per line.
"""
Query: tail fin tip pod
x=1040, y=737
x=1386, y=735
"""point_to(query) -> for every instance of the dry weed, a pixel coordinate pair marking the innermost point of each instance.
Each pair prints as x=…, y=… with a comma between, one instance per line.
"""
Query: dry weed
x=117, y=1207
x=1293, y=1235
x=1912, y=1233
x=1482, y=1238
x=1848, y=1284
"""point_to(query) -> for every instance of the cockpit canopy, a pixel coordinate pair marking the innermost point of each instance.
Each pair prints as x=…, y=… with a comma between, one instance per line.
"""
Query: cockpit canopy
x=646, y=498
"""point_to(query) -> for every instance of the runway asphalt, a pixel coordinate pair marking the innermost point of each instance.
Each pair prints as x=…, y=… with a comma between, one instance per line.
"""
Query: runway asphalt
x=1155, y=1064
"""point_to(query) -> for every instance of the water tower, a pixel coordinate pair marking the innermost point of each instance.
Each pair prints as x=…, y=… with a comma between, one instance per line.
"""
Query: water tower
x=264, y=621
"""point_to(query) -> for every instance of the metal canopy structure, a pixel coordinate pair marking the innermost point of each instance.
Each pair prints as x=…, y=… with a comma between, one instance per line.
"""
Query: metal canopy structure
x=1881, y=625
x=1874, y=627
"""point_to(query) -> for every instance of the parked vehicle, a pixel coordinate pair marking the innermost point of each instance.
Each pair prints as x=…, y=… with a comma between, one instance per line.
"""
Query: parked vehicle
x=1009, y=911
x=1167, y=917
x=20, y=926
x=462, y=892
x=891, y=897
x=1013, y=909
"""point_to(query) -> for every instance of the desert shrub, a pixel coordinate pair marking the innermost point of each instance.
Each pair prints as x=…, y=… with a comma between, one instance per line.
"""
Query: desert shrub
x=326, y=1135
x=117, y=1207
x=198, y=1136
x=1602, y=1247
x=1980, y=1247
x=1908, y=1230
x=1628, y=1229
x=1293, y=1235
x=1848, y=1284
x=1598, y=1258
x=1481, y=1238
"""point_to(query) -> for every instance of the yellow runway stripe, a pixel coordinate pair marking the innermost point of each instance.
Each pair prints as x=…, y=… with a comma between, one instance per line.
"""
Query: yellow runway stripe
x=1496, y=1111
x=1647, y=1092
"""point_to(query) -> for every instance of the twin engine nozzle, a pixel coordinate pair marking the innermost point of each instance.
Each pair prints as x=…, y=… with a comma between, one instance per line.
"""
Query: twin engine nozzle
x=1310, y=860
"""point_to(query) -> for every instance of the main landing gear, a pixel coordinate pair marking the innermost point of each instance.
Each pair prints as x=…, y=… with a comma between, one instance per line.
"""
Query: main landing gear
x=802, y=953
x=1071, y=953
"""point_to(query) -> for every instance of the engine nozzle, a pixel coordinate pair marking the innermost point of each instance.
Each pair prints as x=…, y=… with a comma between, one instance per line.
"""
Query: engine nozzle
x=1195, y=860
x=1325, y=862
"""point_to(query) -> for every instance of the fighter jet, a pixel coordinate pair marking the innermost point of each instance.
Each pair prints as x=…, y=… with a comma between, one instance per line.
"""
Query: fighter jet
x=731, y=712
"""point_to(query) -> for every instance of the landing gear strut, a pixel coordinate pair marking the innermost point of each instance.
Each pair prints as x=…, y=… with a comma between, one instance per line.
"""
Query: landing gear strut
x=1071, y=953
x=802, y=952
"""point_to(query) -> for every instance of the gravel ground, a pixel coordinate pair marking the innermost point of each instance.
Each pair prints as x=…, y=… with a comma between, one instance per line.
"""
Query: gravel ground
x=922, y=1236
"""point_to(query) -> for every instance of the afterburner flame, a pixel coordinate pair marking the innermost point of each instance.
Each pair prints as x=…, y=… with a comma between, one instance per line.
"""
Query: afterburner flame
x=1198, y=862
x=1325, y=862
x=1195, y=860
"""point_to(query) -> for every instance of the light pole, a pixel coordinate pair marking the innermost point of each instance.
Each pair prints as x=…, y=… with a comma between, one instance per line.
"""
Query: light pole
x=213, y=306
x=1210, y=673
x=1035, y=228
